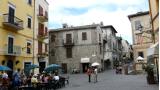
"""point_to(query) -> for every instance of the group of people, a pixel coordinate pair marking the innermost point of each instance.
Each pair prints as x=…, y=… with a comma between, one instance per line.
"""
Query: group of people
x=92, y=72
x=20, y=79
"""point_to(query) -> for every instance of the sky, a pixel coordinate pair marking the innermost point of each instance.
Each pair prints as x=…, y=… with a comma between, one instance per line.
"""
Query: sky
x=86, y=12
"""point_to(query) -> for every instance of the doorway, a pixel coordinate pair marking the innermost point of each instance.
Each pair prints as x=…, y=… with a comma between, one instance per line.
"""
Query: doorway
x=42, y=66
x=64, y=68
x=84, y=67
x=10, y=65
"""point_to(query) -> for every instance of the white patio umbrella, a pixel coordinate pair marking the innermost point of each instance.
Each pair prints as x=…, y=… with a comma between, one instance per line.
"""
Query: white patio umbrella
x=140, y=58
x=95, y=64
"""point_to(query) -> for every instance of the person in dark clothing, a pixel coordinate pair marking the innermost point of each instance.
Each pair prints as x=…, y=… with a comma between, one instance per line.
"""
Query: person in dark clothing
x=89, y=72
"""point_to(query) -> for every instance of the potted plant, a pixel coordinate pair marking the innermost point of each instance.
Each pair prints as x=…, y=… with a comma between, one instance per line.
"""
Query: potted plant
x=150, y=73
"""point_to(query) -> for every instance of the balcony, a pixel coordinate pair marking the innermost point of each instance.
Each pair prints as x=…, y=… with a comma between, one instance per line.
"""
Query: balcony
x=44, y=54
x=12, y=51
x=42, y=17
x=12, y=22
x=42, y=36
x=68, y=42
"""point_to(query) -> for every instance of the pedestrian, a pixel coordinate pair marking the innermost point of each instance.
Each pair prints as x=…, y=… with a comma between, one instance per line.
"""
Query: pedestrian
x=89, y=72
x=95, y=74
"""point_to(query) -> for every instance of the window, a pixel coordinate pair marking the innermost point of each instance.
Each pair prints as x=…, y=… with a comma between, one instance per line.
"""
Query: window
x=46, y=31
x=40, y=29
x=28, y=48
x=138, y=25
x=11, y=14
x=40, y=11
x=68, y=38
x=140, y=54
x=69, y=52
x=39, y=47
x=46, y=47
x=46, y=14
x=29, y=2
x=53, y=38
x=10, y=44
x=99, y=37
x=29, y=22
x=84, y=36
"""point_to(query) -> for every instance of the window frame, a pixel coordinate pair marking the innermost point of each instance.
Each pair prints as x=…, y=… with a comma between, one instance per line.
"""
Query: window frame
x=84, y=35
x=140, y=53
x=29, y=24
x=69, y=52
x=28, y=50
x=137, y=25
x=29, y=2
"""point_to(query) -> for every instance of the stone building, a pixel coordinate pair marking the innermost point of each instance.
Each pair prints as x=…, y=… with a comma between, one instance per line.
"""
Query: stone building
x=142, y=39
x=75, y=48
x=110, y=47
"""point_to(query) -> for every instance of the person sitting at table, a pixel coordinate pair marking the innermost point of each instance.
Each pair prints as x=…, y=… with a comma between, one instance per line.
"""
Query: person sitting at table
x=56, y=77
x=34, y=80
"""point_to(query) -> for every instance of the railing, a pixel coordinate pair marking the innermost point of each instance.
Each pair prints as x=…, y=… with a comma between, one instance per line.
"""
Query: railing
x=13, y=21
x=42, y=17
x=68, y=42
x=13, y=51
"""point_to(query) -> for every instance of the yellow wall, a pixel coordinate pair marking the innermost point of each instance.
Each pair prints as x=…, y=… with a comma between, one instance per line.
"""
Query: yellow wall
x=21, y=37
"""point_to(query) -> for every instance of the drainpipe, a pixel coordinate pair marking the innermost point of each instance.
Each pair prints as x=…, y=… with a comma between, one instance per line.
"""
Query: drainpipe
x=34, y=30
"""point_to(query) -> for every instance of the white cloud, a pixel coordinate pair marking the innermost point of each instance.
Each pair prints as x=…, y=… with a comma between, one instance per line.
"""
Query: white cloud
x=117, y=18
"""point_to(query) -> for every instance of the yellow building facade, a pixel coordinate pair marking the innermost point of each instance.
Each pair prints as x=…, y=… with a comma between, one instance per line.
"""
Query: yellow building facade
x=16, y=33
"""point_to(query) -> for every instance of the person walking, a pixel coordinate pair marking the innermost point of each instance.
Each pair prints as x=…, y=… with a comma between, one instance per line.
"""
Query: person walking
x=89, y=72
x=95, y=74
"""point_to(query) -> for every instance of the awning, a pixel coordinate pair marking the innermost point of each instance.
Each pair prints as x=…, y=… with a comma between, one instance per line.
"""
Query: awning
x=153, y=50
x=85, y=60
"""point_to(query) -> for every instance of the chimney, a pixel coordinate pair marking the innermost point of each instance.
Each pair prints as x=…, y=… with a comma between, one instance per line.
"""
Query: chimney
x=101, y=23
x=65, y=25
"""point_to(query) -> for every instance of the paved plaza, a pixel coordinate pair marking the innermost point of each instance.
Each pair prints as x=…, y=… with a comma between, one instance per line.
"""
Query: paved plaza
x=108, y=80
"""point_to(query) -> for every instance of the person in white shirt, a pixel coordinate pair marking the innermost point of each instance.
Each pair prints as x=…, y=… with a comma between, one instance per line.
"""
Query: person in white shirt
x=56, y=77
x=95, y=75
x=5, y=75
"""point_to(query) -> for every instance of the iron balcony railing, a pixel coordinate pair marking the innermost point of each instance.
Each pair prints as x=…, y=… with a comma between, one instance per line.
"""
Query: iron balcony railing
x=42, y=17
x=13, y=22
x=13, y=50
x=68, y=42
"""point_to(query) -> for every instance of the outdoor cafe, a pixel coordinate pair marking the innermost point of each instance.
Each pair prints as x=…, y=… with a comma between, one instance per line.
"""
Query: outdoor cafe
x=48, y=80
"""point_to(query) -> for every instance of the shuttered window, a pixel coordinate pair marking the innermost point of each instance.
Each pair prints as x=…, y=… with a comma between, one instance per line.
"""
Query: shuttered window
x=69, y=52
x=39, y=47
x=84, y=36
x=40, y=11
x=29, y=22
x=40, y=29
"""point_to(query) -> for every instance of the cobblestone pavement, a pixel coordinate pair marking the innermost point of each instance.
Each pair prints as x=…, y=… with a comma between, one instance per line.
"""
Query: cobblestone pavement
x=108, y=80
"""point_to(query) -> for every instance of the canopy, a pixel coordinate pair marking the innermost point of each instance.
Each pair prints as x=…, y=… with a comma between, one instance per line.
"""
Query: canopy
x=4, y=68
x=85, y=60
x=95, y=64
x=52, y=67
x=33, y=66
x=140, y=58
